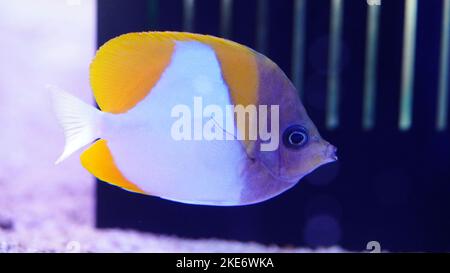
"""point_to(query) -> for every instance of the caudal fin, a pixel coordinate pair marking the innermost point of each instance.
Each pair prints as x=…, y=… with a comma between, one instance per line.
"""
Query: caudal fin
x=79, y=120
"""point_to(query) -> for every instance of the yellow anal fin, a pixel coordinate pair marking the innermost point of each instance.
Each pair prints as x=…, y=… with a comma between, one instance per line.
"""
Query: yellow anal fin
x=98, y=160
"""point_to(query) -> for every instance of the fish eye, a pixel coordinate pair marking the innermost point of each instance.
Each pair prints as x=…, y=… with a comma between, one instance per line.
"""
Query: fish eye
x=295, y=136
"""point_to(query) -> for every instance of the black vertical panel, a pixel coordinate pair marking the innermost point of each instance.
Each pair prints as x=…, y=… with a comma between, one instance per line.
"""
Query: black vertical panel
x=376, y=176
x=427, y=71
x=118, y=17
x=388, y=178
x=244, y=22
x=385, y=170
x=352, y=56
x=280, y=33
x=433, y=156
x=207, y=19
x=170, y=15
x=389, y=65
x=350, y=185
x=316, y=62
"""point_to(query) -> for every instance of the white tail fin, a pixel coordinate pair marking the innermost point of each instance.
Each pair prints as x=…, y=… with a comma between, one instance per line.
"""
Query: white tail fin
x=80, y=121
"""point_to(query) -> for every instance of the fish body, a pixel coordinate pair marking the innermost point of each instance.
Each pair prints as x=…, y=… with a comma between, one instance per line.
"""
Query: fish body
x=163, y=97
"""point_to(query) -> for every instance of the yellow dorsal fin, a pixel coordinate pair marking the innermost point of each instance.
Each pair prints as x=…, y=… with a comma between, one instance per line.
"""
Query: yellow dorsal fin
x=126, y=68
x=99, y=162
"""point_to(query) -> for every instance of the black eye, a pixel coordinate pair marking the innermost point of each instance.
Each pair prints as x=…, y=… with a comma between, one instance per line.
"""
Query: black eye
x=295, y=136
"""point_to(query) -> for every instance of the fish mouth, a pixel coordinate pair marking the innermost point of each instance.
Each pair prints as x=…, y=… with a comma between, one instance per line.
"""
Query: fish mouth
x=331, y=153
x=326, y=156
